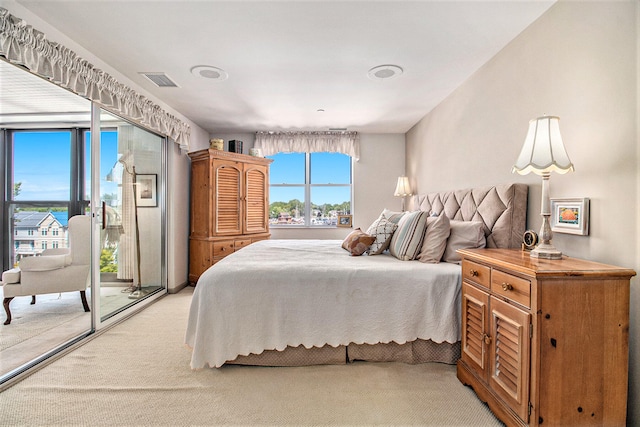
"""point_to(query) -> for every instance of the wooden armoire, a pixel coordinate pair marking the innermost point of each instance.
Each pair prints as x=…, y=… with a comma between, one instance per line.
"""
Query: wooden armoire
x=229, y=206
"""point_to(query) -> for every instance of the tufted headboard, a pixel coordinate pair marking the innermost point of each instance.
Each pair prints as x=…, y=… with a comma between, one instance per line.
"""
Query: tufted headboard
x=502, y=209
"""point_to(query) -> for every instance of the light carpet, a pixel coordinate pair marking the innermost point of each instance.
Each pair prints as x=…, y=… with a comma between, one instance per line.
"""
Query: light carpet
x=137, y=373
x=50, y=311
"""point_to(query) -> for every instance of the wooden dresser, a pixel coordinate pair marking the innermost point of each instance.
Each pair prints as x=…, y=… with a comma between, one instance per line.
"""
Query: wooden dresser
x=545, y=342
x=229, y=206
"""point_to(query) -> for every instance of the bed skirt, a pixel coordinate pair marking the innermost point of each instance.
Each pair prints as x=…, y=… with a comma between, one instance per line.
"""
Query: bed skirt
x=418, y=351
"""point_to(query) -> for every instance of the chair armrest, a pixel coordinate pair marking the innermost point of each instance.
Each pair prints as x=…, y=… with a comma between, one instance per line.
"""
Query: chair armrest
x=44, y=263
x=11, y=276
x=55, y=251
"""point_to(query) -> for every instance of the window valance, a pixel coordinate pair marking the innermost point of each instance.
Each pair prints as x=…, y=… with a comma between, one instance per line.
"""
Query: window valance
x=23, y=45
x=308, y=142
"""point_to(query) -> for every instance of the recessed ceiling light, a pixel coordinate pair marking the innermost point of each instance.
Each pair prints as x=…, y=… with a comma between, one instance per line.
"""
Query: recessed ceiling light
x=384, y=72
x=209, y=72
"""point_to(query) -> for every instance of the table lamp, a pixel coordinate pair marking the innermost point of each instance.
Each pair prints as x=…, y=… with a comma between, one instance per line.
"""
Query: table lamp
x=542, y=153
x=403, y=189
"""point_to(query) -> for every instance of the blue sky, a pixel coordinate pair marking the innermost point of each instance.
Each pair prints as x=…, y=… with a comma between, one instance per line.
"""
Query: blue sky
x=326, y=168
x=42, y=162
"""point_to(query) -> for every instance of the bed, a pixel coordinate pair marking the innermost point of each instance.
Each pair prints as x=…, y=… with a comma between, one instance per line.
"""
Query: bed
x=306, y=302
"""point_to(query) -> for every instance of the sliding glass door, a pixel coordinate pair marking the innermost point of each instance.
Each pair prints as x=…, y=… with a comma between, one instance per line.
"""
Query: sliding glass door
x=129, y=198
x=54, y=166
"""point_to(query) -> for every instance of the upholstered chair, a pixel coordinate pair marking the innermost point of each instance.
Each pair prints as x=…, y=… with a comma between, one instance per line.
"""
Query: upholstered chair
x=56, y=270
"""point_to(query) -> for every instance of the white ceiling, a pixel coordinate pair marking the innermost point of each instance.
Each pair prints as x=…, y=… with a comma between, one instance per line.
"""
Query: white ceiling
x=287, y=59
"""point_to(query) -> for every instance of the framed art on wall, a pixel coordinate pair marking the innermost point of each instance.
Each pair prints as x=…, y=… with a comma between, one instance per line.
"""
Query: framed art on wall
x=146, y=190
x=570, y=216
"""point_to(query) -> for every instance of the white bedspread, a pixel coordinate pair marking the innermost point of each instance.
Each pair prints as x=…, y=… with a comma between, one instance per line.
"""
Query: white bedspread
x=278, y=293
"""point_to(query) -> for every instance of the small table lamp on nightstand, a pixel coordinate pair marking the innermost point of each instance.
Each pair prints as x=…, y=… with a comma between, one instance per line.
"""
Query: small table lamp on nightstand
x=403, y=189
x=542, y=153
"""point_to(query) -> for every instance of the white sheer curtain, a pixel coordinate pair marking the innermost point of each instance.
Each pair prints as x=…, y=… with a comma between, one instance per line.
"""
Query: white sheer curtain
x=308, y=142
x=127, y=261
x=23, y=45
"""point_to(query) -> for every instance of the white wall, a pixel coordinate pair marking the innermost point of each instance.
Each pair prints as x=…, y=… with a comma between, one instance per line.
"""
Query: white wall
x=579, y=61
x=374, y=180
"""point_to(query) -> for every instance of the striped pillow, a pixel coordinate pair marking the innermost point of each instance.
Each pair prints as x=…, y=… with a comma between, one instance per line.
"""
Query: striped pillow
x=407, y=239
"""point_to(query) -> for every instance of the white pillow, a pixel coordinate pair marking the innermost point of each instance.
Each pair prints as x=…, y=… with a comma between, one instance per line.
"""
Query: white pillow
x=435, y=239
x=407, y=239
x=382, y=229
x=392, y=216
x=464, y=235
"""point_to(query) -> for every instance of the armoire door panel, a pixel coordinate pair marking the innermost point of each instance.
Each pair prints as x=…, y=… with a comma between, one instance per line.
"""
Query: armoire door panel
x=228, y=206
x=256, y=205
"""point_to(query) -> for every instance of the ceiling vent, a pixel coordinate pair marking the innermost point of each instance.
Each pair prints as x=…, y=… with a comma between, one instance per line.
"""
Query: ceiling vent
x=160, y=79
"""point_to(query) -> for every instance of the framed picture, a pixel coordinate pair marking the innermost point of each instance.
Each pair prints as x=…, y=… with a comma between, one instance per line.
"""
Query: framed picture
x=146, y=190
x=570, y=216
x=344, y=220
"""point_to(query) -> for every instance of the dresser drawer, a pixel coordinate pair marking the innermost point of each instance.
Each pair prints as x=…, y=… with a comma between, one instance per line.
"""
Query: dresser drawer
x=512, y=287
x=223, y=248
x=241, y=243
x=476, y=273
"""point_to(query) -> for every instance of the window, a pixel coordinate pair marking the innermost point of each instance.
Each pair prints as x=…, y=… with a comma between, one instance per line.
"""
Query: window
x=44, y=244
x=42, y=165
x=44, y=231
x=309, y=189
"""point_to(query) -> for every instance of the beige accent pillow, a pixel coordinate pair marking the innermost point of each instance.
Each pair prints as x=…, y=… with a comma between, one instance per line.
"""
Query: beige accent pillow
x=357, y=242
x=464, y=235
x=435, y=239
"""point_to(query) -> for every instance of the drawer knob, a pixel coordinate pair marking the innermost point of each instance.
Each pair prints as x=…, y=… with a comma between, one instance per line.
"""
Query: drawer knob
x=473, y=272
x=507, y=286
x=486, y=338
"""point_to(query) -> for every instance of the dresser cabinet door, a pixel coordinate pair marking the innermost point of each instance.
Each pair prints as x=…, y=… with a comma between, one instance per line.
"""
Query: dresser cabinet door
x=509, y=355
x=228, y=206
x=256, y=199
x=475, y=312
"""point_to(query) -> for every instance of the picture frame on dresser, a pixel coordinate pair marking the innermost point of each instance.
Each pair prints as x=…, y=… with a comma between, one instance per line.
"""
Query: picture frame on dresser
x=570, y=216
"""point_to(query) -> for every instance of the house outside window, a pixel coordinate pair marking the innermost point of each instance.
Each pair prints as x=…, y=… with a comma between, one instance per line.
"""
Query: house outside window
x=309, y=189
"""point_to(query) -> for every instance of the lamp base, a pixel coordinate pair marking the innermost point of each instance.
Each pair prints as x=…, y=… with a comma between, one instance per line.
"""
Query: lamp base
x=546, y=251
x=138, y=293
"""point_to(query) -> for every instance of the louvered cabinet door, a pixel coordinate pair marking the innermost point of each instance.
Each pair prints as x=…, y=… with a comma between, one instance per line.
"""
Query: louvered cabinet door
x=256, y=199
x=228, y=205
x=510, y=356
x=475, y=310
